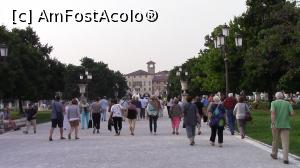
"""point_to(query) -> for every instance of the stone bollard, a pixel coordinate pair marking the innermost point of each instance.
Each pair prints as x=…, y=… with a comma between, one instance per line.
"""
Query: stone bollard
x=1, y=122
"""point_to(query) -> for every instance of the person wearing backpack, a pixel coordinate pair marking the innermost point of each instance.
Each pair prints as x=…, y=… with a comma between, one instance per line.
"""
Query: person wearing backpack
x=85, y=114
x=216, y=113
x=116, y=116
x=153, y=109
x=95, y=112
x=191, y=118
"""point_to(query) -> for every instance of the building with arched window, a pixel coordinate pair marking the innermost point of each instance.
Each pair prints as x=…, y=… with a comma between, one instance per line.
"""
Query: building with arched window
x=147, y=82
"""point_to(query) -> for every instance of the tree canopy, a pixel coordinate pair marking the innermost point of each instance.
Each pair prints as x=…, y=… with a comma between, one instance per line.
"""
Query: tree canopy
x=267, y=61
x=29, y=73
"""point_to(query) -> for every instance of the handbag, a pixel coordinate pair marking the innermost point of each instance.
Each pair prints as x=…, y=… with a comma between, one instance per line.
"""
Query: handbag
x=248, y=116
x=90, y=124
x=109, y=124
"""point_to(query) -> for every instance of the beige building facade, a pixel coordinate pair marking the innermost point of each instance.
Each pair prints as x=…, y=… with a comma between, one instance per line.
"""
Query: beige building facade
x=147, y=82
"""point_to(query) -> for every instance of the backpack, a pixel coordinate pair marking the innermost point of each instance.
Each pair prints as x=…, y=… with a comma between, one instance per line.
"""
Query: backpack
x=217, y=118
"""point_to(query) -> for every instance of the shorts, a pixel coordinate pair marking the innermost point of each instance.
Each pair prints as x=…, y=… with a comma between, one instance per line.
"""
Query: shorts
x=57, y=122
x=74, y=123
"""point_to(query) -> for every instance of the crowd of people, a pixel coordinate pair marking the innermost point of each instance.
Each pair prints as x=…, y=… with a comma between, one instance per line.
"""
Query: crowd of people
x=216, y=111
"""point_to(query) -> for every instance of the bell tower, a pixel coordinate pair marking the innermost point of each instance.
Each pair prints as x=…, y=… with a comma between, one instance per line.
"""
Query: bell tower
x=151, y=67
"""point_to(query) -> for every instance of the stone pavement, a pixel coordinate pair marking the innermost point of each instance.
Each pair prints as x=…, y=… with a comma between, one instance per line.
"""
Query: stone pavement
x=143, y=150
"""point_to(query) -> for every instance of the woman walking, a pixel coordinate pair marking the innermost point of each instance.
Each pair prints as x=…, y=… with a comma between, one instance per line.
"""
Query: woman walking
x=199, y=105
x=191, y=118
x=216, y=113
x=153, y=111
x=132, y=115
x=73, y=115
x=116, y=115
x=85, y=114
x=95, y=111
x=240, y=111
x=175, y=115
x=138, y=105
x=169, y=105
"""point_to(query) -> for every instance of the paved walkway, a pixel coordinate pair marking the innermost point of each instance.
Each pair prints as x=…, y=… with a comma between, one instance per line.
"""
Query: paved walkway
x=143, y=150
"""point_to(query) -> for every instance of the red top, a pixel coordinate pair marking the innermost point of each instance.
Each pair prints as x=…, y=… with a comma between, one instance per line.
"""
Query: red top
x=229, y=103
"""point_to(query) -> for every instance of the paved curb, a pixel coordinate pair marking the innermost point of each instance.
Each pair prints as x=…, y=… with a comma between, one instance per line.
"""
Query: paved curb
x=292, y=158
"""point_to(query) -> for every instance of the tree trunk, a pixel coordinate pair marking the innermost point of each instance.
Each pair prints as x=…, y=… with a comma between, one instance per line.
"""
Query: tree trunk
x=21, y=107
x=270, y=96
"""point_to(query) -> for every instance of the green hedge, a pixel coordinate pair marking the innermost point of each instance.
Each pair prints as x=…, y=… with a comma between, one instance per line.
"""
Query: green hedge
x=41, y=117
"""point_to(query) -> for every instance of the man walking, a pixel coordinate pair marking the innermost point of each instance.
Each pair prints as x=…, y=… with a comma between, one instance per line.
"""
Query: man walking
x=229, y=104
x=31, y=118
x=104, y=107
x=280, y=112
x=57, y=117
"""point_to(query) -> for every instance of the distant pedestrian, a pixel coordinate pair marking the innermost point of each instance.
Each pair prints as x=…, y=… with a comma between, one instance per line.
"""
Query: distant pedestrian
x=229, y=104
x=57, y=118
x=153, y=112
x=191, y=118
x=280, y=112
x=73, y=115
x=161, y=109
x=216, y=113
x=175, y=114
x=104, y=107
x=8, y=119
x=199, y=105
x=169, y=104
x=124, y=103
x=131, y=116
x=138, y=105
x=96, y=114
x=239, y=112
x=66, y=124
x=31, y=118
x=85, y=114
x=116, y=115
x=144, y=103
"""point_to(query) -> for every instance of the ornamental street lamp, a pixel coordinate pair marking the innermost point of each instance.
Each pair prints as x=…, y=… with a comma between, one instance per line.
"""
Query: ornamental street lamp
x=3, y=51
x=116, y=90
x=220, y=42
x=183, y=83
x=84, y=83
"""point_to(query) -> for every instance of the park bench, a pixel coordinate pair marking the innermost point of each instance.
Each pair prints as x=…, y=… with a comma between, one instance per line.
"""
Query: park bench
x=21, y=122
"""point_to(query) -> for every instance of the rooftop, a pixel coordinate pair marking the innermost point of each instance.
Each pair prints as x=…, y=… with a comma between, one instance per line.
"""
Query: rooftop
x=138, y=72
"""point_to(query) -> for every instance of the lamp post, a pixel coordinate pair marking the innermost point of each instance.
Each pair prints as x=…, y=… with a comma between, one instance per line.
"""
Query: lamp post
x=3, y=55
x=84, y=83
x=220, y=42
x=116, y=90
x=3, y=51
x=183, y=82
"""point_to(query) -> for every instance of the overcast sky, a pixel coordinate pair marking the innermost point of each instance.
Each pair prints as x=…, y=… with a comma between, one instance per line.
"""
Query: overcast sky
x=177, y=35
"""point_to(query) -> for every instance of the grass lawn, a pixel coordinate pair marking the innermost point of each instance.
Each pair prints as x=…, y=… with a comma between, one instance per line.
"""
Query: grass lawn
x=260, y=129
x=42, y=116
